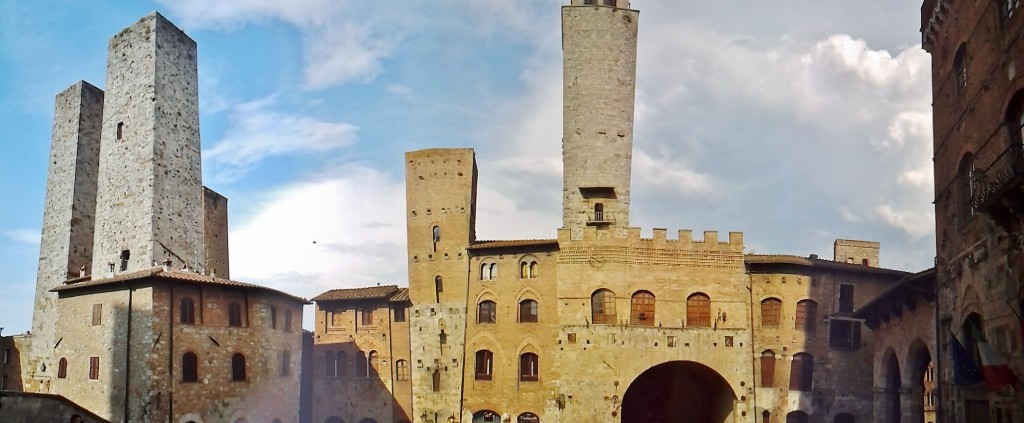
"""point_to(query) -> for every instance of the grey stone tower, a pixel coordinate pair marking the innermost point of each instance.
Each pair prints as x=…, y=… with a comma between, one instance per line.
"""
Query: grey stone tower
x=67, y=237
x=599, y=83
x=150, y=194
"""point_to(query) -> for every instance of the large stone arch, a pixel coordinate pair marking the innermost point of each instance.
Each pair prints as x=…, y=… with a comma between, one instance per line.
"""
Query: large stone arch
x=678, y=391
x=916, y=370
x=892, y=382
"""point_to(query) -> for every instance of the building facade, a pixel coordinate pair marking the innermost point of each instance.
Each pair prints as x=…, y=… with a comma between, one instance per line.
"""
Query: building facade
x=977, y=119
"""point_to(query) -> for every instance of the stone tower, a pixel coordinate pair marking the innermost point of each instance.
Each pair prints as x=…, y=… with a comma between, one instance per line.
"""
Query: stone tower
x=150, y=195
x=599, y=84
x=67, y=237
x=441, y=216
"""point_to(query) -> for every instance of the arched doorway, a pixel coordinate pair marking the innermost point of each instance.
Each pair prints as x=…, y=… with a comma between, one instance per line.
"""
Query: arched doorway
x=678, y=391
x=922, y=399
x=486, y=416
x=893, y=382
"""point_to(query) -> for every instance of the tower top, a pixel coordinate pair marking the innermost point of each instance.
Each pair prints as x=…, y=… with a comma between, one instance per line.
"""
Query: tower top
x=612, y=3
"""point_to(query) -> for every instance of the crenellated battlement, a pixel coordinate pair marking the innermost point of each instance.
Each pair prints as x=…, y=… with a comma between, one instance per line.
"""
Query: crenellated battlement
x=659, y=239
x=659, y=250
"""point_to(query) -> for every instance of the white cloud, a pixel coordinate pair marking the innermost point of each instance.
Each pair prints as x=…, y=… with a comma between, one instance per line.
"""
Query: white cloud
x=915, y=223
x=258, y=131
x=24, y=236
x=345, y=230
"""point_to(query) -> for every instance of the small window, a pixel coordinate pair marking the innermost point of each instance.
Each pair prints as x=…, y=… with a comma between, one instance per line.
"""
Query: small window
x=698, y=311
x=366, y=317
x=435, y=233
x=806, y=316
x=844, y=334
x=768, y=369
x=273, y=317
x=528, y=367
x=234, y=314
x=371, y=364
x=609, y=3
x=602, y=306
x=401, y=370
x=400, y=313
x=120, y=129
x=286, y=363
x=801, y=374
x=237, y=367
x=94, y=368
x=97, y=314
x=486, y=312
x=287, y=320
x=960, y=68
x=62, y=368
x=125, y=254
x=642, y=309
x=488, y=271
x=845, y=298
x=438, y=287
x=187, y=311
x=435, y=381
x=7, y=355
x=330, y=364
x=189, y=367
x=965, y=189
x=599, y=212
x=771, y=311
x=528, y=311
x=484, y=364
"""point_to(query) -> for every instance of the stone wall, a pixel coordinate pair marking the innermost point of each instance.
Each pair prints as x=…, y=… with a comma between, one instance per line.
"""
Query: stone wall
x=215, y=231
x=21, y=407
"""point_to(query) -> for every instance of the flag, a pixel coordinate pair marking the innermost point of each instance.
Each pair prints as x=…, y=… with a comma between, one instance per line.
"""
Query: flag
x=965, y=372
x=997, y=373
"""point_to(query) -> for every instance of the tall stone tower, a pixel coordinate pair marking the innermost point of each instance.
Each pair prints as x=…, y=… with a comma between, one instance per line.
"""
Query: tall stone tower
x=599, y=85
x=67, y=238
x=441, y=201
x=150, y=195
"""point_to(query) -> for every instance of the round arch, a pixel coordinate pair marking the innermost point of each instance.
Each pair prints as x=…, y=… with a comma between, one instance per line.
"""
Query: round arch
x=486, y=416
x=678, y=391
x=920, y=375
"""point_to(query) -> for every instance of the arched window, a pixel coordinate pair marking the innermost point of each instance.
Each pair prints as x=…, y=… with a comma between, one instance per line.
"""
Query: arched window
x=486, y=416
x=599, y=212
x=237, y=367
x=766, y=416
x=965, y=188
x=534, y=269
x=771, y=312
x=187, y=311
x=435, y=235
x=641, y=309
x=371, y=365
x=401, y=370
x=797, y=417
x=62, y=368
x=528, y=418
x=234, y=314
x=844, y=418
x=484, y=365
x=1015, y=119
x=435, y=381
x=528, y=269
x=801, y=374
x=528, y=311
x=361, y=370
x=602, y=306
x=486, y=312
x=189, y=367
x=330, y=364
x=528, y=370
x=960, y=68
x=698, y=311
x=341, y=364
x=806, y=316
x=768, y=369
x=488, y=271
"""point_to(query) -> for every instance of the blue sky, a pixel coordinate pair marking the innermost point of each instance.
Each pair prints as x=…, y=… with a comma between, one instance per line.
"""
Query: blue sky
x=795, y=124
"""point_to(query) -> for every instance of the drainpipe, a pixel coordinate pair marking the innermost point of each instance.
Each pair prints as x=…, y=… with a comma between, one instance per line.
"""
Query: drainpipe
x=753, y=350
x=170, y=358
x=128, y=356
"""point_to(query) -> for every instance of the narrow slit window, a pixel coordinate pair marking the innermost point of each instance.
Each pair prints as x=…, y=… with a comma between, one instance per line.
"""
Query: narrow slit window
x=125, y=254
x=120, y=129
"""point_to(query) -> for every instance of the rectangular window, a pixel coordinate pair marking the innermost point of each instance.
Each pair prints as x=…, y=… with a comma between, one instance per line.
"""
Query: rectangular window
x=125, y=254
x=3, y=383
x=94, y=368
x=273, y=317
x=97, y=314
x=366, y=317
x=845, y=298
x=400, y=313
x=120, y=129
x=287, y=320
x=7, y=355
x=286, y=361
x=844, y=334
x=402, y=370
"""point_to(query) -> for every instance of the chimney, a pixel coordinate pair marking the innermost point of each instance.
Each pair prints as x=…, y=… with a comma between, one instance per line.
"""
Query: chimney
x=167, y=264
x=81, y=272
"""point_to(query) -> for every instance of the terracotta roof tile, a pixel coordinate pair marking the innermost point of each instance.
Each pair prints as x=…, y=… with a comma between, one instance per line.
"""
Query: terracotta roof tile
x=368, y=293
x=513, y=243
x=172, y=275
x=817, y=262
x=401, y=295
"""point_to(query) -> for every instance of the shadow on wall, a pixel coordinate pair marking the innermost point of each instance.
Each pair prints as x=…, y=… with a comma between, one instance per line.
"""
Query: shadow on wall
x=354, y=386
x=22, y=407
x=10, y=362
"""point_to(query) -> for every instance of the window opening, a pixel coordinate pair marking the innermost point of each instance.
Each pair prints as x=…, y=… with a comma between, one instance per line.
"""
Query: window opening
x=602, y=306
x=189, y=367
x=234, y=314
x=845, y=298
x=528, y=367
x=366, y=316
x=487, y=312
x=806, y=316
x=273, y=317
x=642, y=309
x=484, y=363
x=187, y=311
x=528, y=311
x=62, y=368
x=402, y=370
x=371, y=364
x=771, y=312
x=400, y=313
x=801, y=374
x=120, y=129
x=768, y=369
x=237, y=367
x=698, y=311
x=435, y=381
x=94, y=368
x=125, y=254
x=436, y=236
x=286, y=363
x=97, y=314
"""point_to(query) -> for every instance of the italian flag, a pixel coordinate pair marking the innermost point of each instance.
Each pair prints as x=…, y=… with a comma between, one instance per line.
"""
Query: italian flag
x=997, y=373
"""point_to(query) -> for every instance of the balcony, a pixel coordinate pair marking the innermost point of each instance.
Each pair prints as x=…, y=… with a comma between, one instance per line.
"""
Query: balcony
x=998, y=190
x=600, y=218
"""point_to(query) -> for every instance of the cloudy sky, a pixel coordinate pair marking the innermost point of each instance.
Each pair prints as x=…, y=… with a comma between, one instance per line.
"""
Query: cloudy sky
x=795, y=122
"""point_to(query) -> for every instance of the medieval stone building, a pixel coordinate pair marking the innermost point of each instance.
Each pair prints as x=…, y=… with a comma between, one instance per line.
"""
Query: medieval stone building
x=135, y=318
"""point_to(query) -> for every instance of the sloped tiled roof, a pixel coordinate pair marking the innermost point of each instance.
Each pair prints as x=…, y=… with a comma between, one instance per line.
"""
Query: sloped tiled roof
x=817, y=262
x=479, y=245
x=401, y=295
x=170, y=275
x=368, y=293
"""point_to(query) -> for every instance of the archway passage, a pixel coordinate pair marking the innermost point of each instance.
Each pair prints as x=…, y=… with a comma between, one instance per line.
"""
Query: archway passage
x=678, y=391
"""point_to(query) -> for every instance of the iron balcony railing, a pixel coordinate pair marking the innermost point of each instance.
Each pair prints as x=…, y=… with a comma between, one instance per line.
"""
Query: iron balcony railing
x=597, y=218
x=1005, y=170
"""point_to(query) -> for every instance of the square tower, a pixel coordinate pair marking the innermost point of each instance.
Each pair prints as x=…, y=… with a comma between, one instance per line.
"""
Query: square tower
x=150, y=194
